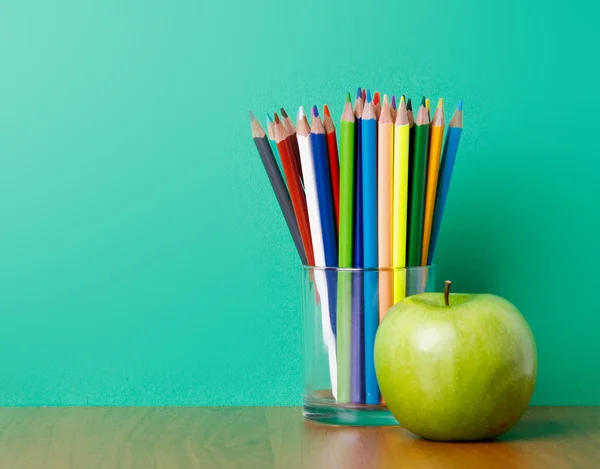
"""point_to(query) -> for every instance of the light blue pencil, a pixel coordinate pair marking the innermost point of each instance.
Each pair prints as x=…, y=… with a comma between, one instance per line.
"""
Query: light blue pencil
x=371, y=278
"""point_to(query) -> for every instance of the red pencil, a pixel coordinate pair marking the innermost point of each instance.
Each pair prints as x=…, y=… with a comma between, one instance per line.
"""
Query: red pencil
x=377, y=104
x=286, y=154
x=334, y=163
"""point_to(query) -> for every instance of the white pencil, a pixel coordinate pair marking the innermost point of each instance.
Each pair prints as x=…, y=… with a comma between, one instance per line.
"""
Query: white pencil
x=314, y=219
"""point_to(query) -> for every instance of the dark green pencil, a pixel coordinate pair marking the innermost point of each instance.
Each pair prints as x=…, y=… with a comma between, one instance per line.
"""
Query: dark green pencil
x=417, y=195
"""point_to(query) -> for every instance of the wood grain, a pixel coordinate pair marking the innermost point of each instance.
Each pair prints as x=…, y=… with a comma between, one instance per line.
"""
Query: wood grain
x=277, y=437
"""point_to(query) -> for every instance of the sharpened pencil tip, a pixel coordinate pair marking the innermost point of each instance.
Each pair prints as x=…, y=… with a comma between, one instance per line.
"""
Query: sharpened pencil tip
x=363, y=94
x=301, y=112
x=252, y=118
x=440, y=102
x=326, y=110
x=423, y=101
x=268, y=117
x=402, y=99
x=359, y=93
x=348, y=97
x=368, y=96
x=283, y=113
x=376, y=97
x=409, y=105
x=459, y=107
x=276, y=119
x=394, y=102
x=315, y=111
x=385, y=99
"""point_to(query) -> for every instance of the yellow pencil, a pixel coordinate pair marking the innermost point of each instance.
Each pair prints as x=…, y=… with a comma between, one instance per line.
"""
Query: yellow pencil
x=400, y=200
x=428, y=107
x=385, y=155
x=433, y=166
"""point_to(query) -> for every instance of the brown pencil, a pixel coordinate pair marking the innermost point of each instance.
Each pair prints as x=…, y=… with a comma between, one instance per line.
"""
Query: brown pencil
x=291, y=129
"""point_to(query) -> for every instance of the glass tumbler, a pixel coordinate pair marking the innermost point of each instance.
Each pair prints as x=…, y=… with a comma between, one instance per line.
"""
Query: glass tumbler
x=341, y=310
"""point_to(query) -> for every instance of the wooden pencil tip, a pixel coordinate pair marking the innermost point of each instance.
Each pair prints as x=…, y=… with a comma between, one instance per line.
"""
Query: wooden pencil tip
x=409, y=105
x=283, y=113
x=368, y=96
x=301, y=113
x=393, y=102
x=441, y=102
x=376, y=97
x=385, y=99
x=252, y=118
x=402, y=100
x=423, y=101
x=269, y=120
x=276, y=118
x=459, y=107
x=359, y=92
x=348, y=97
x=363, y=94
x=315, y=111
x=326, y=110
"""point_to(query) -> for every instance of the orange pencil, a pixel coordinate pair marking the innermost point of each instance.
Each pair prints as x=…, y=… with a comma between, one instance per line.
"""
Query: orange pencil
x=286, y=153
x=385, y=176
x=433, y=166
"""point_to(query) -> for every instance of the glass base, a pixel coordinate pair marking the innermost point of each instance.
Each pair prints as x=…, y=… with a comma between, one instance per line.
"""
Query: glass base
x=326, y=411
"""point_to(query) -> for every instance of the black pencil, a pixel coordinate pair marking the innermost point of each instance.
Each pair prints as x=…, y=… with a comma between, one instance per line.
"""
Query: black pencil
x=281, y=192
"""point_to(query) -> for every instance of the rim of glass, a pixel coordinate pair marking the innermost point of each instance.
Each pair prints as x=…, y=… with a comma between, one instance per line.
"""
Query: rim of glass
x=370, y=269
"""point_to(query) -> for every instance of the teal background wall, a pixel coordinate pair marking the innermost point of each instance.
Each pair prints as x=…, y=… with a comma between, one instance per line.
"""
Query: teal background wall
x=143, y=259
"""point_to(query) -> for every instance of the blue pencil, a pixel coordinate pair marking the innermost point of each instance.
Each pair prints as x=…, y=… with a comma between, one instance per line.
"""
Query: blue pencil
x=357, y=384
x=326, y=210
x=445, y=175
x=371, y=278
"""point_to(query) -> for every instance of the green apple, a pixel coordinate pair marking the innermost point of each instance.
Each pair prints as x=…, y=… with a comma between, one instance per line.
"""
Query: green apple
x=455, y=367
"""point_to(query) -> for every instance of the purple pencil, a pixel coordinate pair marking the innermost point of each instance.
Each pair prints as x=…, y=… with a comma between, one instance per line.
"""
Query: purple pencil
x=357, y=381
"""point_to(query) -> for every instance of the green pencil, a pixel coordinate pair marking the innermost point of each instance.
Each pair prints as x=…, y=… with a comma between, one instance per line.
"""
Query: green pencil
x=344, y=300
x=417, y=198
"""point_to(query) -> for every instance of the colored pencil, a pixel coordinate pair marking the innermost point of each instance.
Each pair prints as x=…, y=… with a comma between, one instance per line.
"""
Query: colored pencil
x=371, y=300
x=334, y=163
x=419, y=160
x=433, y=166
x=291, y=128
x=319, y=147
x=385, y=178
x=347, y=136
x=400, y=196
x=294, y=184
x=428, y=107
x=344, y=306
x=314, y=217
x=377, y=105
x=358, y=343
x=276, y=180
x=394, y=109
x=446, y=167
x=271, y=136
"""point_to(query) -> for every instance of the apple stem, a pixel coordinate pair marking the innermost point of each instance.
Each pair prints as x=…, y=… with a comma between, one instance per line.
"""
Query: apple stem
x=447, y=284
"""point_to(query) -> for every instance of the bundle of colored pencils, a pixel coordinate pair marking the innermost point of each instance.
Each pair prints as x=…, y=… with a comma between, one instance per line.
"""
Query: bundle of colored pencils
x=377, y=207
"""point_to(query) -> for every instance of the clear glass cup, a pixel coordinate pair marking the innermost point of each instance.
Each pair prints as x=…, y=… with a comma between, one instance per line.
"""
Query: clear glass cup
x=339, y=328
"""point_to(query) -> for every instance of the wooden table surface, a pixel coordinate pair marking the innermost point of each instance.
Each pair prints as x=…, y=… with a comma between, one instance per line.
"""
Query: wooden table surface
x=276, y=437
